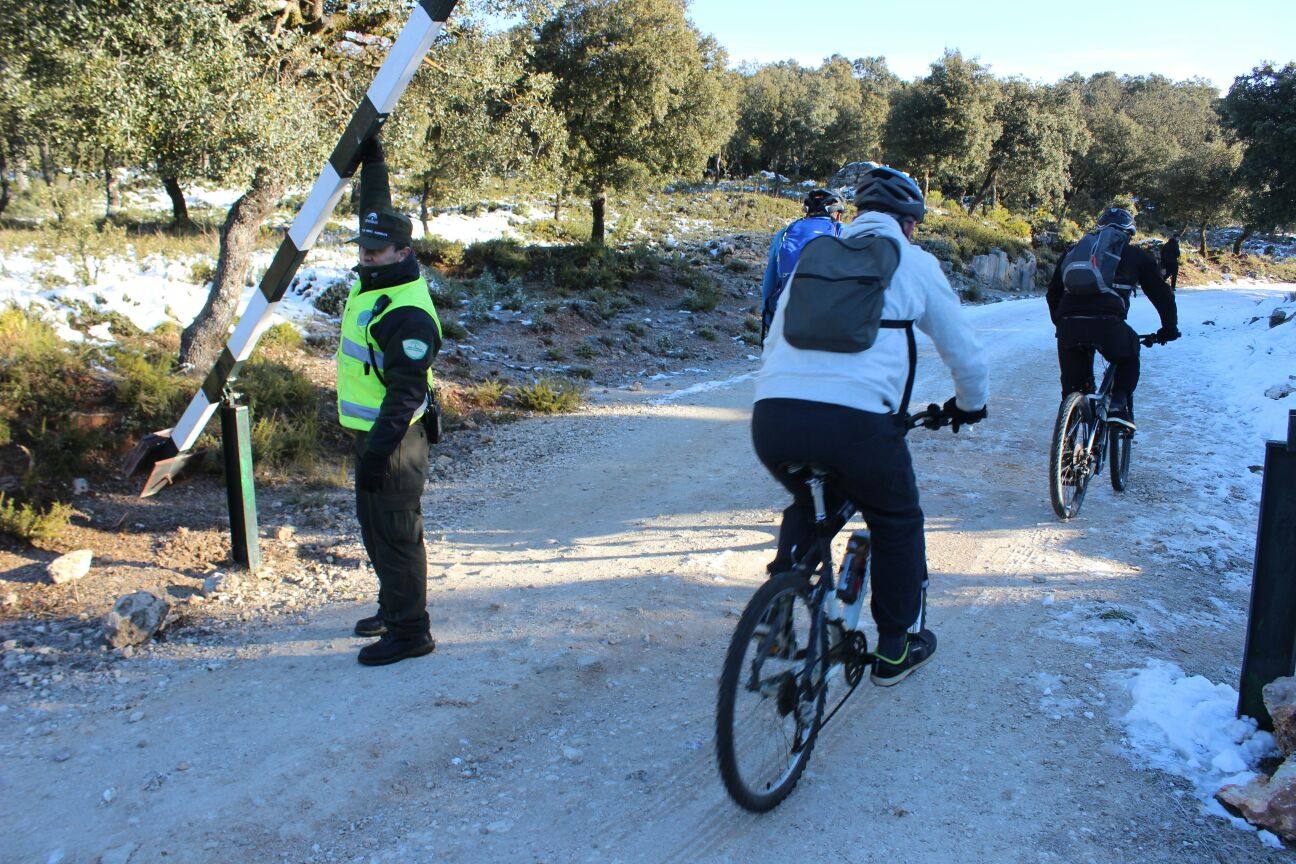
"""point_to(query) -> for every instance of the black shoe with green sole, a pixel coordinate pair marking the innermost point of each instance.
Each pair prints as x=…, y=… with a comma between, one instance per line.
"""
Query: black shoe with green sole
x=919, y=648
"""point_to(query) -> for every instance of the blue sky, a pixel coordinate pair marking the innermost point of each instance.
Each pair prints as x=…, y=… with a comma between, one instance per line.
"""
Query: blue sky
x=1043, y=41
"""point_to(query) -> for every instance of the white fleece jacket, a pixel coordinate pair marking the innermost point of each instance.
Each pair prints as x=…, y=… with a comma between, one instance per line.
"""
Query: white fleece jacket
x=874, y=380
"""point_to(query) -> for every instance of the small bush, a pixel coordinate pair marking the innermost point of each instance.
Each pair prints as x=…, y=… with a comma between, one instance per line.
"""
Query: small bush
x=453, y=330
x=202, y=272
x=487, y=394
x=31, y=525
x=752, y=324
x=583, y=372
x=708, y=334
x=555, y=355
x=282, y=335
x=439, y=252
x=332, y=300
x=149, y=393
x=585, y=351
x=634, y=328
x=286, y=443
x=703, y=295
x=737, y=265
x=504, y=258
x=546, y=396
x=276, y=388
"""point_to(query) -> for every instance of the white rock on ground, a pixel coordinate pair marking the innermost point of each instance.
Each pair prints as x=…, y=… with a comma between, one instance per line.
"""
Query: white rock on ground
x=69, y=567
x=134, y=619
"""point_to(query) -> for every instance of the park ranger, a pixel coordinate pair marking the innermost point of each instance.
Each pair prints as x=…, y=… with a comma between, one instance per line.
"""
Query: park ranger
x=390, y=334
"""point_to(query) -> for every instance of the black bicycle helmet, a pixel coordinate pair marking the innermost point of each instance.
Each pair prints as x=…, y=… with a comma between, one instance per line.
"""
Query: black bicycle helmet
x=825, y=202
x=890, y=191
x=1118, y=217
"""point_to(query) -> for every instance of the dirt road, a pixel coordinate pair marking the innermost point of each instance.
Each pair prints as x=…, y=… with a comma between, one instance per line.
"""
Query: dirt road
x=582, y=607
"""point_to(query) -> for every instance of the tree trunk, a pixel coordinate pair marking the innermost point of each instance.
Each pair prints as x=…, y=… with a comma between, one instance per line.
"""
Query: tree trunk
x=926, y=183
x=180, y=220
x=424, y=192
x=202, y=340
x=47, y=170
x=597, y=231
x=112, y=190
x=557, y=204
x=1247, y=231
x=4, y=179
x=985, y=187
x=1201, y=244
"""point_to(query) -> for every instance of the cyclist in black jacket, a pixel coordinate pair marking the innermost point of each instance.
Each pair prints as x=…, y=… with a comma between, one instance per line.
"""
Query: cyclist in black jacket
x=1097, y=322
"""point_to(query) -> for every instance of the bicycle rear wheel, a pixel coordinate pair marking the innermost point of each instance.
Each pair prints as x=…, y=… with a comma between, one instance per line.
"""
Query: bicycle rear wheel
x=1069, y=457
x=771, y=699
x=1121, y=445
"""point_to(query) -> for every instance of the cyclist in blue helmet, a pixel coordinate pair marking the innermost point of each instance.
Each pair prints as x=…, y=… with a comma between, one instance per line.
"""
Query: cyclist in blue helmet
x=824, y=210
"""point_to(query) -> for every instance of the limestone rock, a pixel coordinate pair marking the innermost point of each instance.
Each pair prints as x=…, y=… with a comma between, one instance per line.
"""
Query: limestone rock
x=1280, y=700
x=1277, y=316
x=69, y=567
x=850, y=174
x=1280, y=391
x=134, y=619
x=995, y=270
x=1266, y=803
x=285, y=532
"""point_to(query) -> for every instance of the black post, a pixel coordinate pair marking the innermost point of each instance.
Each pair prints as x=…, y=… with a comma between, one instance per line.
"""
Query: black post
x=1271, y=631
x=236, y=445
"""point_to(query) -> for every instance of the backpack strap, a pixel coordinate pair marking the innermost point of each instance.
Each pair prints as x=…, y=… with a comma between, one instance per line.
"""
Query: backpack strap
x=908, y=327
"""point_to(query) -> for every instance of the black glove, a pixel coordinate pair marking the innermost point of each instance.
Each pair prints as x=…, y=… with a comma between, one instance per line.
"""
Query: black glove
x=371, y=150
x=371, y=471
x=959, y=417
x=1168, y=334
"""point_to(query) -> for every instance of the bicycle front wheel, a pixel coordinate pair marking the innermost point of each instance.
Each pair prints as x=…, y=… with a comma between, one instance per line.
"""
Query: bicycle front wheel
x=1121, y=444
x=772, y=692
x=1069, y=462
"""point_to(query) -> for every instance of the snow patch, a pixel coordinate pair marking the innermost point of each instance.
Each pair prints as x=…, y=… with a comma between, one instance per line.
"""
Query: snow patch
x=1185, y=725
x=704, y=387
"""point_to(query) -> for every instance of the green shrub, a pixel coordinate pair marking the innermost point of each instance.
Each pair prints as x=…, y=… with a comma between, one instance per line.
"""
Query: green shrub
x=634, y=328
x=546, y=396
x=737, y=265
x=332, y=300
x=438, y=252
x=585, y=351
x=708, y=334
x=583, y=372
x=30, y=524
x=286, y=442
x=149, y=393
x=608, y=303
x=704, y=294
x=276, y=388
x=282, y=335
x=202, y=272
x=504, y=258
x=487, y=394
x=453, y=330
x=555, y=355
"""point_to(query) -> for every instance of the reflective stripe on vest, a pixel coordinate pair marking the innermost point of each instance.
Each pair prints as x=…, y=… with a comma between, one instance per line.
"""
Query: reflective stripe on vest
x=360, y=392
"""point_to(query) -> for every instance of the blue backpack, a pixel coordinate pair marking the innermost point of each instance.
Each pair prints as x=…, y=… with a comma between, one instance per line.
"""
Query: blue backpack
x=798, y=234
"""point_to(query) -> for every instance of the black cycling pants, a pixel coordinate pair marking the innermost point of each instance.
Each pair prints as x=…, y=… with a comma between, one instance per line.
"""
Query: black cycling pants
x=1113, y=338
x=391, y=526
x=868, y=455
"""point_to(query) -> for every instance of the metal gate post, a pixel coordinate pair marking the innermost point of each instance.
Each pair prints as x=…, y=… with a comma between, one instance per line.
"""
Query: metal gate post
x=236, y=446
x=1271, y=629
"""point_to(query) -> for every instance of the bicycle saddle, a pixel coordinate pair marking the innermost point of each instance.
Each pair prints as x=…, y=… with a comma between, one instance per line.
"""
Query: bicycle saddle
x=793, y=469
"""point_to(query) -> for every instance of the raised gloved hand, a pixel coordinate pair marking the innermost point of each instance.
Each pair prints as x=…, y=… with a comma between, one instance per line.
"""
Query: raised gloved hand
x=371, y=150
x=1168, y=334
x=371, y=471
x=959, y=417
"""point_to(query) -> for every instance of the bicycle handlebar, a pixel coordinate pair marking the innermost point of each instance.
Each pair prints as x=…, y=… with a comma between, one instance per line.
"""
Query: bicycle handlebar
x=1151, y=339
x=934, y=417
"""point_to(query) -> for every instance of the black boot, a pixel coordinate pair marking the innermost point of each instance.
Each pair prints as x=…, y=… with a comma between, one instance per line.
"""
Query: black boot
x=917, y=650
x=371, y=626
x=392, y=649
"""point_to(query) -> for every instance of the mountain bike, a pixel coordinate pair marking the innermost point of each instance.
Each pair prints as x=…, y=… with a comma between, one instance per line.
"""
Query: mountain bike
x=796, y=630
x=1083, y=440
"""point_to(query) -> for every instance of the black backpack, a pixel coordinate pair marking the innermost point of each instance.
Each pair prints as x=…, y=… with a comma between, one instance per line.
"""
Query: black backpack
x=1089, y=269
x=836, y=292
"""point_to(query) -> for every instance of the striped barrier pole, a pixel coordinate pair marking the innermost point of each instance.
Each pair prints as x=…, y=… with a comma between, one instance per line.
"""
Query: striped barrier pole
x=167, y=451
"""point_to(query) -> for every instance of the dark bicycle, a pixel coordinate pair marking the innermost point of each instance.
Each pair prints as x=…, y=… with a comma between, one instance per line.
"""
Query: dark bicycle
x=1083, y=439
x=796, y=629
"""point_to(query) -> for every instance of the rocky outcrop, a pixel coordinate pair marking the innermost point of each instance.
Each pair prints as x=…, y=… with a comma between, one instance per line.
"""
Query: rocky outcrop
x=995, y=270
x=1280, y=702
x=1270, y=802
x=850, y=174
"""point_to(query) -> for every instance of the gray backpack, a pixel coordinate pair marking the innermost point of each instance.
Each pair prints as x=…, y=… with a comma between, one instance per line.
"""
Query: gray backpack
x=1089, y=269
x=835, y=295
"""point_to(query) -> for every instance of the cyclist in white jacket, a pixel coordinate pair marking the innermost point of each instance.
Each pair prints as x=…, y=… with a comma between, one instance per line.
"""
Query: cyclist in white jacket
x=847, y=412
